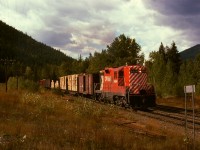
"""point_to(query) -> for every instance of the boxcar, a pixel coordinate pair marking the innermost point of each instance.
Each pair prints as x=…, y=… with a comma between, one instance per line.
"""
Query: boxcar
x=72, y=83
x=52, y=84
x=55, y=84
x=63, y=83
x=46, y=83
x=86, y=83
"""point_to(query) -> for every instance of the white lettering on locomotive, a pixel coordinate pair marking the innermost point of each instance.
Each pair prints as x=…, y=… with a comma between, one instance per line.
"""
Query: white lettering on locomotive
x=108, y=78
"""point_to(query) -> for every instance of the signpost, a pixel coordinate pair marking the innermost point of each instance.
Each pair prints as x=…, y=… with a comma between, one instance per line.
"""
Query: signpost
x=189, y=89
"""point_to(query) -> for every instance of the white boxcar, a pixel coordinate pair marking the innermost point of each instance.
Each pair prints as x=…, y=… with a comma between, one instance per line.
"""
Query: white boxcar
x=57, y=84
x=63, y=82
x=73, y=83
x=52, y=84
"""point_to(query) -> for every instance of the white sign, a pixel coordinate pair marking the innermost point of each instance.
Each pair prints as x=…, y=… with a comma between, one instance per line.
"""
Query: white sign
x=189, y=89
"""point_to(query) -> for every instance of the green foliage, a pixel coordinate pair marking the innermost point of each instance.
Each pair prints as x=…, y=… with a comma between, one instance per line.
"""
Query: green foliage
x=123, y=50
x=174, y=57
x=169, y=75
x=98, y=62
x=23, y=84
x=163, y=68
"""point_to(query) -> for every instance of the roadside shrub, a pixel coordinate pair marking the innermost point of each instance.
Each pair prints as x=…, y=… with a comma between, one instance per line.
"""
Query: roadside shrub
x=57, y=91
x=23, y=84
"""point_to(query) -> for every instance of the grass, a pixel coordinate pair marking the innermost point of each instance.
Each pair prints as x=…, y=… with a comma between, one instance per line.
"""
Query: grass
x=45, y=120
x=180, y=102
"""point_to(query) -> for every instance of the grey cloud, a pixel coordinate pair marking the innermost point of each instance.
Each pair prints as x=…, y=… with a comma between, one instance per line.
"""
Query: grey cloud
x=178, y=14
x=181, y=15
x=53, y=22
x=177, y=7
x=53, y=38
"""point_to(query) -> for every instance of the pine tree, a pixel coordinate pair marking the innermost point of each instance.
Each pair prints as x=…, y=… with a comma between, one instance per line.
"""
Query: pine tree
x=174, y=57
x=162, y=52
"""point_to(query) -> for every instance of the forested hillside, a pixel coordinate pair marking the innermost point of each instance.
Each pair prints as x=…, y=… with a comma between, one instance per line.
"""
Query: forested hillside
x=17, y=45
x=28, y=53
x=190, y=53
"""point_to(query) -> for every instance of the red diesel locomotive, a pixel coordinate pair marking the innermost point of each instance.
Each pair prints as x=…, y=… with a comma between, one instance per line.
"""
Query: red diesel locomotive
x=126, y=86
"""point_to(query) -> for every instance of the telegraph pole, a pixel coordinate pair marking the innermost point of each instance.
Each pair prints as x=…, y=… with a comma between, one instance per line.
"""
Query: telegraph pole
x=6, y=63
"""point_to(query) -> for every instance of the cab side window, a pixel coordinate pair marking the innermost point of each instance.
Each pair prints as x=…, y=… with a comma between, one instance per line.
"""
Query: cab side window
x=121, y=74
x=121, y=78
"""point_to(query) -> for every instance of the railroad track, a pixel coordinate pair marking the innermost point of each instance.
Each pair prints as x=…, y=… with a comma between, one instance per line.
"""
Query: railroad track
x=168, y=114
x=173, y=115
x=177, y=110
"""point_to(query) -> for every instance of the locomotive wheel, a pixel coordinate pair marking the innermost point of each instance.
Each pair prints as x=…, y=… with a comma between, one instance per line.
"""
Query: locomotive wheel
x=124, y=102
x=98, y=97
x=117, y=101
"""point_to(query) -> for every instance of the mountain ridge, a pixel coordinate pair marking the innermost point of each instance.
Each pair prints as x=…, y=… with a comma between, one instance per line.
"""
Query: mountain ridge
x=190, y=53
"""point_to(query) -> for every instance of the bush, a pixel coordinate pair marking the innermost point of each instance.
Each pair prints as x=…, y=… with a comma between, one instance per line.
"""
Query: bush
x=23, y=84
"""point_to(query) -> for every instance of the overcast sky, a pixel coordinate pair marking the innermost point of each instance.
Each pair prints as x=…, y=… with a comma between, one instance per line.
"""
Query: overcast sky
x=84, y=26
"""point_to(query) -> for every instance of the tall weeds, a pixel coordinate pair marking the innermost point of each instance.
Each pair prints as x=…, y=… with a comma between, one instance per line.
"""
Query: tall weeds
x=48, y=121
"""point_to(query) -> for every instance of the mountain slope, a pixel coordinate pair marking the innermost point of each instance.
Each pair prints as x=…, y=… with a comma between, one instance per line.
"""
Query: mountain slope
x=41, y=60
x=16, y=45
x=190, y=53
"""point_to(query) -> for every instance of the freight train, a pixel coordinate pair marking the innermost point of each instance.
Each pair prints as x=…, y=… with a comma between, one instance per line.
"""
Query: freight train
x=125, y=86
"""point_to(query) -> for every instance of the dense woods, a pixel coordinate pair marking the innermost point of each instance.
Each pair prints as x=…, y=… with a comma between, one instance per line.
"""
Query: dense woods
x=169, y=72
x=167, y=69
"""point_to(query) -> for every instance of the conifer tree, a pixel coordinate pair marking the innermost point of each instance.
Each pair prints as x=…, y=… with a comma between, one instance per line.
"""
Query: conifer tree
x=170, y=81
x=174, y=57
x=162, y=52
x=196, y=70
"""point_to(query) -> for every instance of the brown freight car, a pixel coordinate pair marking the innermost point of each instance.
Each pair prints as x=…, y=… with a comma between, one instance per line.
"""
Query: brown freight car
x=86, y=84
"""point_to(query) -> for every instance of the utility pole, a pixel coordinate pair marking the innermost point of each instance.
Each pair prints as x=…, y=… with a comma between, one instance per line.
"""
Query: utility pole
x=6, y=63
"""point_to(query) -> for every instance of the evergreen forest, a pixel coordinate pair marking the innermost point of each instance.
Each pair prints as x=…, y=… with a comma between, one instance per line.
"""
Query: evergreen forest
x=21, y=55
